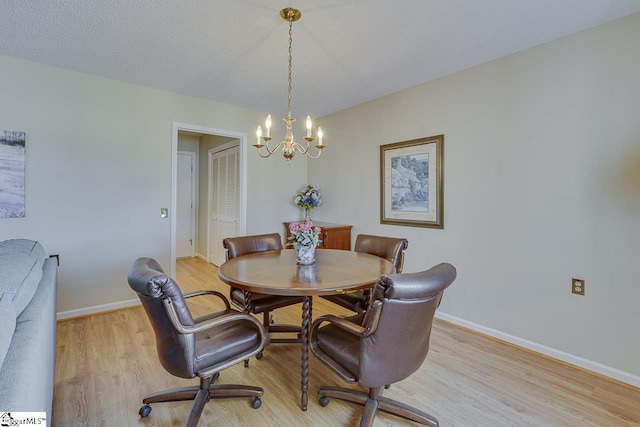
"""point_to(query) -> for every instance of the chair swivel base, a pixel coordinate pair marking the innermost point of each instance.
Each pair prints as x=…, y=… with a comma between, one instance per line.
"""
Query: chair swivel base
x=201, y=395
x=374, y=402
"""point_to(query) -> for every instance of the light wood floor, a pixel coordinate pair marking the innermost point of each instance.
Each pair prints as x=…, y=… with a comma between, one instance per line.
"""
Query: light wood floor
x=106, y=363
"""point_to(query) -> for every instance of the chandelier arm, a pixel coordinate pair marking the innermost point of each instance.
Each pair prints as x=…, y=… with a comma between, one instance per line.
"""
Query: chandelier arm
x=306, y=150
x=302, y=149
x=269, y=150
x=266, y=146
x=264, y=156
x=314, y=157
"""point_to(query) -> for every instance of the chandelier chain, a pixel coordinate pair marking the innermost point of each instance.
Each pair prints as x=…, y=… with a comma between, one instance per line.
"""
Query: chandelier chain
x=290, y=50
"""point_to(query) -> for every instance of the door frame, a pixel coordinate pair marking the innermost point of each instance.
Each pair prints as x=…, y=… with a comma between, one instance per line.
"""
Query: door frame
x=194, y=199
x=242, y=137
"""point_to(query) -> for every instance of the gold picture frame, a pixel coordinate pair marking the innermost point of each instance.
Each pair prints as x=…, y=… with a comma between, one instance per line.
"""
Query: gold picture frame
x=411, y=182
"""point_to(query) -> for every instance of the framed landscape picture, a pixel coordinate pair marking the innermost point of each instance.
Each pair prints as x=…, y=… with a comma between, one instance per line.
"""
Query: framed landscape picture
x=411, y=182
x=12, y=173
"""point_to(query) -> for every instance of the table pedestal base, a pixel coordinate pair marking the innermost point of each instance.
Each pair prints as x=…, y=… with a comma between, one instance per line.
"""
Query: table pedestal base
x=306, y=330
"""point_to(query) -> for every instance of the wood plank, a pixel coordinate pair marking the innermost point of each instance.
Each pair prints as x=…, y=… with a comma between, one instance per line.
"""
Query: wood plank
x=107, y=362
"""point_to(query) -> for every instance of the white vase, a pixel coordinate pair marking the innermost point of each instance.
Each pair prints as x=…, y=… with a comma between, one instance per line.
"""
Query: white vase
x=306, y=255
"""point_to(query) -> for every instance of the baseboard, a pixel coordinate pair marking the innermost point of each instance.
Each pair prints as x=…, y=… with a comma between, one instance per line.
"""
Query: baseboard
x=202, y=257
x=571, y=359
x=96, y=309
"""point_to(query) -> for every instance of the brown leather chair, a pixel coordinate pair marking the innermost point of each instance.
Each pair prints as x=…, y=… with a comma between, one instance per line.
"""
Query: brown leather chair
x=190, y=347
x=391, y=248
x=261, y=303
x=386, y=344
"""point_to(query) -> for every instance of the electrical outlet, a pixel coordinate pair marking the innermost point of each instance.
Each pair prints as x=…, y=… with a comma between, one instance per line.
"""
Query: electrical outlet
x=577, y=286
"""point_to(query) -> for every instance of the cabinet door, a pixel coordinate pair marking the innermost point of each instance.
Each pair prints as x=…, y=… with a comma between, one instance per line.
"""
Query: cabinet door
x=337, y=238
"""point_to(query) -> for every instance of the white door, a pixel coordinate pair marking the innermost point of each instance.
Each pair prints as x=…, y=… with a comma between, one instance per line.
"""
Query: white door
x=185, y=209
x=224, y=198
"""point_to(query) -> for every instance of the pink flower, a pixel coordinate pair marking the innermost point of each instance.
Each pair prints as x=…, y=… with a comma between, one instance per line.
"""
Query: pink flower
x=293, y=227
x=303, y=234
x=306, y=226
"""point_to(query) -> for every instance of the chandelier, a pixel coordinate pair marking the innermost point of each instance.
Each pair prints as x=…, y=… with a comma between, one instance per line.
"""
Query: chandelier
x=288, y=145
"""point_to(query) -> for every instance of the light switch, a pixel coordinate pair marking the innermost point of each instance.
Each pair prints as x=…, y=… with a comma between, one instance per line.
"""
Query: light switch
x=164, y=212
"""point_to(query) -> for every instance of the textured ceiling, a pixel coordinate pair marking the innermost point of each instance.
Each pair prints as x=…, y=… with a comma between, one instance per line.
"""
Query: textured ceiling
x=345, y=52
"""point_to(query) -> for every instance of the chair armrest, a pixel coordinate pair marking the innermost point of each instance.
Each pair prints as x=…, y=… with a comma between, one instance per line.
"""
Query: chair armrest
x=230, y=316
x=372, y=318
x=341, y=322
x=215, y=293
x=369, y=323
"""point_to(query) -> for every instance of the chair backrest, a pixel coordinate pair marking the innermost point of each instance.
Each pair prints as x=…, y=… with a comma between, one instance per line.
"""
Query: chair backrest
x=176, y=351
x=391, y=248
x=400, y=341
x=242, y=245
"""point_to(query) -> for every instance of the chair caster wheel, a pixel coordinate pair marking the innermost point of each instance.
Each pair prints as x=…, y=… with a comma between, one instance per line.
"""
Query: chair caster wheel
x=387, y=387
x=145, y=411
x=256, y=402
x=259, y=356
x=324, y=401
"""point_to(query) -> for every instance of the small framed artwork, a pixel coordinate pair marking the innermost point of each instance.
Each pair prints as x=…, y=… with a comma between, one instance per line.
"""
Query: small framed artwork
x=12, y=173
x=411, y=184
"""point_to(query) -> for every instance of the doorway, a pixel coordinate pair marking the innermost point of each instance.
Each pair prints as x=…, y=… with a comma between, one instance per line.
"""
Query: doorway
x=208, y=138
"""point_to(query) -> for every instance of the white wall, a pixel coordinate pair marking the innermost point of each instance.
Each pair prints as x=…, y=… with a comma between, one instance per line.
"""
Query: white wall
x=99, y=170
x=542, y=184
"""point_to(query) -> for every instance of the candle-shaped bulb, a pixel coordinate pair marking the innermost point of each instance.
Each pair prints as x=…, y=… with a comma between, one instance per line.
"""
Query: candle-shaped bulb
x=259, y=134
x=320, y=134
x=267, y=124
x=309, y=125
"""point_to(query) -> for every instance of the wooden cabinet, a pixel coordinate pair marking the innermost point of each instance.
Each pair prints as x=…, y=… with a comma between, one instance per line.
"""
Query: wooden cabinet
x=333, y=236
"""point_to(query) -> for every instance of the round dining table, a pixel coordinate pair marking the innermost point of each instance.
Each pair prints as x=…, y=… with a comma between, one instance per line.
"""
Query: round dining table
x=277, y=273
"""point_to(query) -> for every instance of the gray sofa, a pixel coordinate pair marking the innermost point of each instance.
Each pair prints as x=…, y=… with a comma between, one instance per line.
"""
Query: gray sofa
x=28, y=285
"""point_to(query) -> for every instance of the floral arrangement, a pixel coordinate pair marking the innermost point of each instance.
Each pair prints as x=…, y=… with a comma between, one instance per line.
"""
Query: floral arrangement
x=309, y=197
x=303, y=234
